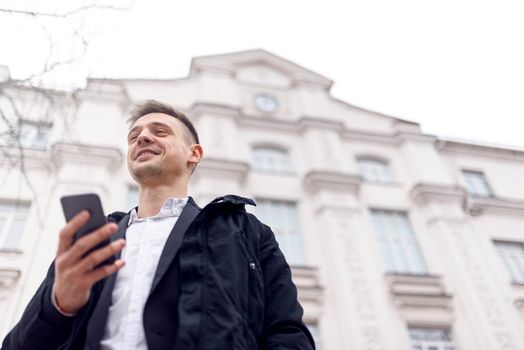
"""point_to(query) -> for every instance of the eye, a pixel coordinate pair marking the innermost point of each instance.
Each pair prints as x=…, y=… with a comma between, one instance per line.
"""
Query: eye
x=160, y=131
x=132, y=138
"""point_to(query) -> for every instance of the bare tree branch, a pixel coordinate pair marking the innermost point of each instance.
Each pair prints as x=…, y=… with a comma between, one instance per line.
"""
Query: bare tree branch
x=18, y=97
x=76, y=11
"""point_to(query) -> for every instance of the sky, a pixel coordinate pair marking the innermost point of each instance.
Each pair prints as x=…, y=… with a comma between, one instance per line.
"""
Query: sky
x=455, y=67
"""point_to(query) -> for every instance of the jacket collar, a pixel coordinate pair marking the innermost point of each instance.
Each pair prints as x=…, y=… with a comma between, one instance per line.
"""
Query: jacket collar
x=233, y=199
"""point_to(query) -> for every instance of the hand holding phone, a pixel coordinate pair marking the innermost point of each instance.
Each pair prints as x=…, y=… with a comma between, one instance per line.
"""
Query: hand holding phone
x=73, y=205
x=84, y=251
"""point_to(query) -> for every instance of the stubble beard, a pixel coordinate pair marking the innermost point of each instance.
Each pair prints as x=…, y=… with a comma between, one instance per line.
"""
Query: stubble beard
x=147, y=173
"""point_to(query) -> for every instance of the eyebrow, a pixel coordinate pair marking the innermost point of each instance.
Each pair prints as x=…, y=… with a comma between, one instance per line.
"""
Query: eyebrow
x=138, y=127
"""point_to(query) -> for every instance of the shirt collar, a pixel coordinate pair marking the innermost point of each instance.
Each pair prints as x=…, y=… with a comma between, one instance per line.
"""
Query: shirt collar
x=172, y=208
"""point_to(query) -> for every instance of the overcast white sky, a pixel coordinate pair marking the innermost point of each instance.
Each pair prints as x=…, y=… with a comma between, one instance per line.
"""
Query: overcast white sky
x=455, y=67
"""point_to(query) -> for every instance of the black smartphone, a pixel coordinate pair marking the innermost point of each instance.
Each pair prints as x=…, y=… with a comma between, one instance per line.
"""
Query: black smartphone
x=72, y=205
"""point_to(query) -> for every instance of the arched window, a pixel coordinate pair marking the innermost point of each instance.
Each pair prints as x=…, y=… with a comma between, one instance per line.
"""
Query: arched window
x=373, y=170
x=270, y=159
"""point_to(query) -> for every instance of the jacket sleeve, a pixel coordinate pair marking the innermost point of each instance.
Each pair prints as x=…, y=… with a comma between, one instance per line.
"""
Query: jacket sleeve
x=41, y=325
x=283, y=326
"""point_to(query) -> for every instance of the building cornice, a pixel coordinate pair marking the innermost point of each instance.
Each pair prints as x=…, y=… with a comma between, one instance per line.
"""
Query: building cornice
x=227, y=168
x=229, y=63
x=324, y=179
x=406, y=131
x=480, y=205
x=104, y=89
x=307, y=281
x=31, y=158
x=110, y=157
x=414, y=292
x=483, y=150
x=402, y=136
x=425, y=192
x=306, y=122
x=200, y=108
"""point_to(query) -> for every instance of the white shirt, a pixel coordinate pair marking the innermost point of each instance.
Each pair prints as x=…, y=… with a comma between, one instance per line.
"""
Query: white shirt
x=145, y=240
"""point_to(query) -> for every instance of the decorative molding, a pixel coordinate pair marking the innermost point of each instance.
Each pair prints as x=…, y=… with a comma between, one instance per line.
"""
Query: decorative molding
x=9, y=277
x=229, y=63
x=110, y=157
x=307, y=281
x=201, y=107
x=519, y=304
x=324, y=179
x=306, y=122
x=476, y=206
x=363, y=135
x=418, y=291
x=484, y=294
x=479, y=149
x=360, y=296
x=223, y=167
x=104, y=89
x=403, y=136
x=421, y=299
x=426, y=192
x=32, y=158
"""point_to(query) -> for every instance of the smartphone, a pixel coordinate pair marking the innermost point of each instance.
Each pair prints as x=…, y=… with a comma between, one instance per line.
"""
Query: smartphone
x=72, y=205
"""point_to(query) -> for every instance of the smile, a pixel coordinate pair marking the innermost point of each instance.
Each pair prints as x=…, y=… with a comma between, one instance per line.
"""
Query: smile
x=146, y=152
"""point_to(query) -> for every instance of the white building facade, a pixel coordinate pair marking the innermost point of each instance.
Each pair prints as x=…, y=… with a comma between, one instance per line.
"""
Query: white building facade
x=397, y=239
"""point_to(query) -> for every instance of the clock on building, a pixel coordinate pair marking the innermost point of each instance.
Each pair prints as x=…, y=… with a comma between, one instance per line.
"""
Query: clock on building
x=266, y=103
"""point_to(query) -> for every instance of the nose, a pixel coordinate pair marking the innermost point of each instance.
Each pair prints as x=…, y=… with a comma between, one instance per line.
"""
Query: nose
x=144, y=137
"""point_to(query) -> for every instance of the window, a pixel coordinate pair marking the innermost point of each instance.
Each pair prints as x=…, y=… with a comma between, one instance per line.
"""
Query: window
x=32, y=134
x=372, y=170
x=476, y=184
x=430, y=339
x=282, y=216
x=13, y=217
x=512, y=254
x=398, y=244
x=271, y=160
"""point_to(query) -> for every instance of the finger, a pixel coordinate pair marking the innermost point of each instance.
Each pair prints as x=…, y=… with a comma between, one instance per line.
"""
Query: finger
x=99, y=255
x=104, y=271
x=68, y=231
x=90, y=240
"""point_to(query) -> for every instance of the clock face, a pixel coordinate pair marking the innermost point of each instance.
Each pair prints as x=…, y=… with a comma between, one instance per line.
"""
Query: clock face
x=266, y=103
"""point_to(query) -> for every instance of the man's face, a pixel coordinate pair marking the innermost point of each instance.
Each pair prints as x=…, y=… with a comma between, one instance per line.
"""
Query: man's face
x=158, y=148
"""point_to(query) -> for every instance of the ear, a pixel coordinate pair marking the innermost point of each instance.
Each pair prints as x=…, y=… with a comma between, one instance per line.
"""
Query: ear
x=196, y=154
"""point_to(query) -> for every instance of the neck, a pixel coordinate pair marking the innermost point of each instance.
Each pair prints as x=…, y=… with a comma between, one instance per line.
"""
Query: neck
x=151, y=199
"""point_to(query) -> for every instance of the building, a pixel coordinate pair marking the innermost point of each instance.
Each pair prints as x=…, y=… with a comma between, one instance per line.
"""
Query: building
x=397, y=239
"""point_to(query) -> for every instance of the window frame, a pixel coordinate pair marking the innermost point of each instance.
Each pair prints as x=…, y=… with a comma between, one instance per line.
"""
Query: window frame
x=385, y=176
x=425, y=344
x=467, y=175
x=7, y=217
x=17, y=138
x=284, y=164
x=406, y=257
x=518, y=265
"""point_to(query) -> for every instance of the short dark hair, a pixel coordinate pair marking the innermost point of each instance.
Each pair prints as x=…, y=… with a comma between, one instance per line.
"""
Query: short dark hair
x=154, y=106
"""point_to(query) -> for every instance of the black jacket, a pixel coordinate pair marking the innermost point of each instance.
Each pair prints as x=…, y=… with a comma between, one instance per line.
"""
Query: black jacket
x=221, y=283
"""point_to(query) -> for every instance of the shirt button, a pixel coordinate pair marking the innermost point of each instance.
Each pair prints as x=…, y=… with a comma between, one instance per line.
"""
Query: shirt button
x=252, y=265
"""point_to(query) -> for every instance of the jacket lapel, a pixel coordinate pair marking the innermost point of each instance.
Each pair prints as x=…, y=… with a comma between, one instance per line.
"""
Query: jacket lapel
x=174, y=241
x=97, y=322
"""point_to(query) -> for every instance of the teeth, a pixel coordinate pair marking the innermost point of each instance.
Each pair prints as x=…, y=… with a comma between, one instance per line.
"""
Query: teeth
x=146, y=152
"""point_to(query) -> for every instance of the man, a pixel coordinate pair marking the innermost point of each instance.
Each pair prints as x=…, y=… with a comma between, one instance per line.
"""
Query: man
x=188, y=278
